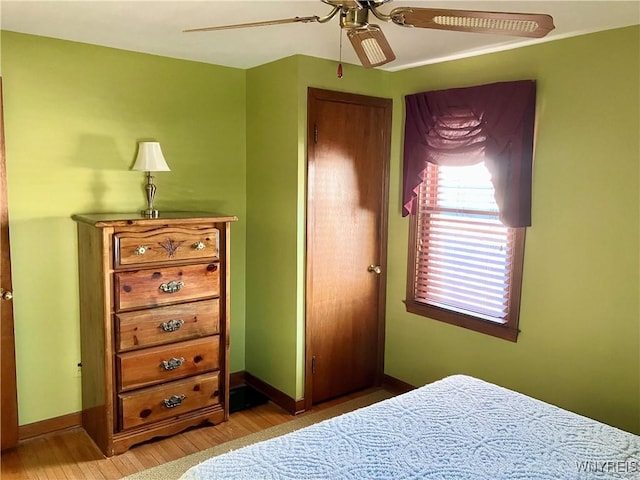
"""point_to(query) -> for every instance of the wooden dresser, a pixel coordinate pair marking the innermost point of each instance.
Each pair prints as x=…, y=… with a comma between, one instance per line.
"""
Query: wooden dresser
x=154, y=308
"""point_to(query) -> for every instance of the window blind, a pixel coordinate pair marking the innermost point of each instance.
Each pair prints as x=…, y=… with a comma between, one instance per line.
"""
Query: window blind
x=463, y=259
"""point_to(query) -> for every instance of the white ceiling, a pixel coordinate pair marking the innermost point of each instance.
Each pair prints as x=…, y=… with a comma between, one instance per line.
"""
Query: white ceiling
x=155, y=27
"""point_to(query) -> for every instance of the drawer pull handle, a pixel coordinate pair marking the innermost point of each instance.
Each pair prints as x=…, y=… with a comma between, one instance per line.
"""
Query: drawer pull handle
x=173, y=401
x=199, y=245
x=171, y=325
x=171, y=287
x=140, y=250
x=172, y=363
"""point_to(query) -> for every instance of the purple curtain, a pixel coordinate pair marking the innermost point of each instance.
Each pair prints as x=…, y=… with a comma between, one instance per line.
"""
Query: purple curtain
x=463, y=126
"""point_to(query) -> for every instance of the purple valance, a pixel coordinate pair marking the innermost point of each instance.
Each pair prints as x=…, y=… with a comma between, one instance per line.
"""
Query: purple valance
x=463, y=126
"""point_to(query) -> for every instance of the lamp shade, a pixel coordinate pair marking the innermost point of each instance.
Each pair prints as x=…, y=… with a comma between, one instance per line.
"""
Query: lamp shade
x=150, y=158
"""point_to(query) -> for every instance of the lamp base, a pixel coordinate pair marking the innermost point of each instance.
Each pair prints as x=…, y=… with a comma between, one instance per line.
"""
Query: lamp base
x=150, y=213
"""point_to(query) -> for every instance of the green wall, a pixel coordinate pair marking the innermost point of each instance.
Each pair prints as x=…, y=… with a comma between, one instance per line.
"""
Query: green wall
x=579, y=345
x=74, y=112
x=580, y=341
x=73, y=116
x=276, y=207
x=272, y=179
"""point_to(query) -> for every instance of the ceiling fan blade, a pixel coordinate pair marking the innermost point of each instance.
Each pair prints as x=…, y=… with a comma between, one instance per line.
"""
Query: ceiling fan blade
x=371, y=46
x=256, y=24
x=503, y=23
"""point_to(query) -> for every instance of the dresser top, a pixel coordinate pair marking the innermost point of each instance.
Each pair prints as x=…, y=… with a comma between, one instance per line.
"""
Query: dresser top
x=128, y=219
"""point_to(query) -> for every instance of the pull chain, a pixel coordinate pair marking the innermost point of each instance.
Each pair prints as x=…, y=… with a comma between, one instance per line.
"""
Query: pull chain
x=340, y=62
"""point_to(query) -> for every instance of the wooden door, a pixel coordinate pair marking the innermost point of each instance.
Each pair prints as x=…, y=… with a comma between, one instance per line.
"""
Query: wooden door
x=347, y=162
x=9, y=401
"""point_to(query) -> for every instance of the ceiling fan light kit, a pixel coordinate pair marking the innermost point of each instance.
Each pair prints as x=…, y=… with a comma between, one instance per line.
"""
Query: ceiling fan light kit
x=372, y=47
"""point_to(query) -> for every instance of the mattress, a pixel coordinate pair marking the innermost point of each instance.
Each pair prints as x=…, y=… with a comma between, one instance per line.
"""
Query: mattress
x=458, y=428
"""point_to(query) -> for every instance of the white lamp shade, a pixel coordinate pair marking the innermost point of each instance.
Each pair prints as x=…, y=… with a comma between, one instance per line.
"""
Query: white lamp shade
x=150, y=158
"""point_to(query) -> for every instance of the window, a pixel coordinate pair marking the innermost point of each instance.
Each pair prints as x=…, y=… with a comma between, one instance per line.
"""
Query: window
x=465, y=265
x=467, y=183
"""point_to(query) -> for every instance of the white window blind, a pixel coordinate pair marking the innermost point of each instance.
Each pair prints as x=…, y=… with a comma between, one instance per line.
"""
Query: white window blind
x=464, y=252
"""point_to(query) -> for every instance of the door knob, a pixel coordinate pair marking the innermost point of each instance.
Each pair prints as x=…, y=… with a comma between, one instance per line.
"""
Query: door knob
x=375, y=269
x=5, y=294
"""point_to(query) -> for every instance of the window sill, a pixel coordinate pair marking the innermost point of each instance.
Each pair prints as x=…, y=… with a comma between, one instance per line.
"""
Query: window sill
x=470, y=322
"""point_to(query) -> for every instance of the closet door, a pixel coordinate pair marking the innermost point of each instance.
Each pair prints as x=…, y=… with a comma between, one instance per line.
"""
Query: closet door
x=348, y=162
x=9, y=400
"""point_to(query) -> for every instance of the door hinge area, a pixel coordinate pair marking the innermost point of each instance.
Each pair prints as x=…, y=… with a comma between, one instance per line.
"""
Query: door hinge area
x=315, y=133
x=313, y=365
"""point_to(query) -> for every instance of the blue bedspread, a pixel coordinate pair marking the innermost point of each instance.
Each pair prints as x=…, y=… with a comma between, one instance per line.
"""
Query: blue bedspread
x=458, y=428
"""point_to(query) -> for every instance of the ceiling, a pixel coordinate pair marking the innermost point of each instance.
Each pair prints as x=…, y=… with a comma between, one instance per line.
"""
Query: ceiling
x=155, y=27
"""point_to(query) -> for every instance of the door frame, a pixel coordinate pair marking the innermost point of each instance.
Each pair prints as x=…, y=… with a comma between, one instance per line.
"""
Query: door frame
x=313, y=95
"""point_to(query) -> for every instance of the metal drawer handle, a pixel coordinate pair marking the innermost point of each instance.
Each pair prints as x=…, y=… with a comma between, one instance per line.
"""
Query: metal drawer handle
x=171, y=325
x=173, y=401
x=171, y=287
x=199, y=245
x=140, y=250
x=172, y=363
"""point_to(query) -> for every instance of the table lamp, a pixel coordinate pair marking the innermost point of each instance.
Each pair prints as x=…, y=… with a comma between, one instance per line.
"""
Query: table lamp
x=150, y=159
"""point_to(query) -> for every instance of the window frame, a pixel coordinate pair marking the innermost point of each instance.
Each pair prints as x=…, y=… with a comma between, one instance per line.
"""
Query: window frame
x=508, y=330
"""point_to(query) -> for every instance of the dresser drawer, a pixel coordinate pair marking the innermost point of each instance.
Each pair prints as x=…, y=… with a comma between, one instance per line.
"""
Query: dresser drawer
x=164, y=245
x=149, y=288
x=164, y=401
x=168, y=362
x=158, y=326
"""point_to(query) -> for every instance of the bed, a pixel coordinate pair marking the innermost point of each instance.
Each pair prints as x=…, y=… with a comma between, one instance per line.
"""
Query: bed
x=458, y=428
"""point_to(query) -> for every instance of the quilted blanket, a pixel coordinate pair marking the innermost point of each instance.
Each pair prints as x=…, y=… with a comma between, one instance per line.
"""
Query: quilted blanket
x=457, y=428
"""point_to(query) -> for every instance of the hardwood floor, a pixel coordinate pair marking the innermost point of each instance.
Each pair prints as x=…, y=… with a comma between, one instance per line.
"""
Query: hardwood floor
x=70, y=454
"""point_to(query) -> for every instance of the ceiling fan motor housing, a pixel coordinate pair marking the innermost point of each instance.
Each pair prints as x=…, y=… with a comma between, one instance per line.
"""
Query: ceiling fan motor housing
x=354, y=18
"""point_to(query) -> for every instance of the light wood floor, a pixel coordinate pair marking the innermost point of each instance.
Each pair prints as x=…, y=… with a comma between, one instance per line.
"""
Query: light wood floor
x=70, y=454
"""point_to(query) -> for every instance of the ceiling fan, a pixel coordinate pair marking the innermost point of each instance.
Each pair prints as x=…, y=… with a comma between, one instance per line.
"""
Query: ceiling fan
x=371, y=45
